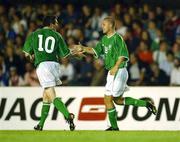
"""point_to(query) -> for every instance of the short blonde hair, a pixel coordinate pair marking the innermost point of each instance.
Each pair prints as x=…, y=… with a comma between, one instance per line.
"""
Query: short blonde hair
x=110, y=20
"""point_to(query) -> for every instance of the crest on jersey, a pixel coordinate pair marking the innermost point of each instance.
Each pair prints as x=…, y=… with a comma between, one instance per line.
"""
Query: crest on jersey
x=107, y=48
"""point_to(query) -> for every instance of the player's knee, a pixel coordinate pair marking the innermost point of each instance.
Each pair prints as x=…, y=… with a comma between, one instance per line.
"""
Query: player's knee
x=118, y=100
x=108, y=100
x=50, y=94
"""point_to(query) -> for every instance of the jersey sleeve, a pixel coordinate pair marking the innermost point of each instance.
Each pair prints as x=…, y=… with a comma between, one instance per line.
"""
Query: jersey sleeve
x=28, y=45
x=63, y=49
x=122, y=48
x=98, y=50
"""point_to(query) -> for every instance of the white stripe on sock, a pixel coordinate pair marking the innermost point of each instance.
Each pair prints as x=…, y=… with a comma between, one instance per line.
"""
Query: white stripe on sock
x=109, y=111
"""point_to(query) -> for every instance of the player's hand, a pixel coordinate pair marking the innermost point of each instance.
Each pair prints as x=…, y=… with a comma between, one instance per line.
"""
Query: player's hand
x=80, y=54
x=77, y=49
x=114, y=70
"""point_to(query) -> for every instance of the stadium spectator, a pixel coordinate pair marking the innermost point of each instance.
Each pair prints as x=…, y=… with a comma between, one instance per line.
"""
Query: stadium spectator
x=70, y=30
x=30, y=77
x=79, y=36
x=29, y=13
x=131, y=41
x=160, y=55
x=157, y=76
x=3, y=72
x=12, y=60
x=70, y=15
x=176, y=49
x=18, y=45
x=171, y=23
x=2, y=38
x=118, y=10
x=144, y=54
x=157, y=26
x=156, y=42
x=3, y=77
x=127, y=20
x=167, y=65
x=67, y=71
x=159, y=16
x=2, y=10
x=132, y=12
x=136, y=71
x=175, y=74
x=32, y=27
x=137, y=30
x=98, y=75
x=97, y=18
x=19, y=24
x=152, y=29
x=86, y=71
x=14, y=78
x=9, y=32
x=145, y=37
x=145, y=10
x=120, y=27
x=2, y=63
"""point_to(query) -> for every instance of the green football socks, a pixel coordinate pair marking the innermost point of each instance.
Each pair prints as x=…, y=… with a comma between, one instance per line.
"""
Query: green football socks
x=134, y=102
x=44, y=113
x=113, y=117
x=61, y=107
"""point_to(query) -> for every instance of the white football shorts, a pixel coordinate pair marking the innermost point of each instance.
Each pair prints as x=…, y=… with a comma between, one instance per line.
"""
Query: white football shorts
x=116, y=85
x=48, y=74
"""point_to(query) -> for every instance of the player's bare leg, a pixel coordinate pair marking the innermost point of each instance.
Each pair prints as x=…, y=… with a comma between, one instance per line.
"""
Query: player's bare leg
x=111, y=110
x=136, y=102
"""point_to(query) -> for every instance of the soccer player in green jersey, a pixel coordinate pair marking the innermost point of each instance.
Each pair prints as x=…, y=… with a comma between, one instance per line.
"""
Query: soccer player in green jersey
x=46, y=47
x=116, y=56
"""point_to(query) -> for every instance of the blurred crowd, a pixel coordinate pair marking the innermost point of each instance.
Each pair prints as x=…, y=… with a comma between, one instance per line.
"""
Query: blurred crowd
x=152, y=35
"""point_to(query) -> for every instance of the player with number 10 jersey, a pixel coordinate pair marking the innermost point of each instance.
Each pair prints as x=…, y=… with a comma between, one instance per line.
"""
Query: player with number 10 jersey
x=46, y=45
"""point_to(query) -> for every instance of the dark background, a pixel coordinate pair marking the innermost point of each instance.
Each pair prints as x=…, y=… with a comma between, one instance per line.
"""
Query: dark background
x=101, y=3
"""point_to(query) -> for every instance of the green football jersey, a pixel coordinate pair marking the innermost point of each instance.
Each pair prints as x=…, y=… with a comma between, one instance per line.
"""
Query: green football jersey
x=46, y=45
x=112, y=48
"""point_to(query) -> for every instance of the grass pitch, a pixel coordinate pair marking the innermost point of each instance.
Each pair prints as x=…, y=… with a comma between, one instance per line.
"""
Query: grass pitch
x=90, y=136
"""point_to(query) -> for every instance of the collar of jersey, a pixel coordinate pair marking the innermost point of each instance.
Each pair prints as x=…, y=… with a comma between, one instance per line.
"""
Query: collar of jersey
x=111, y=35
x=49, y=28
x=46, y=27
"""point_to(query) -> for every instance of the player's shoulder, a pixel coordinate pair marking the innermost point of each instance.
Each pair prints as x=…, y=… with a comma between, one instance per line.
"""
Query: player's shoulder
x=58, y=34
x=42, y=30
x=118, y=37
x=103, y=37
x=49, y=30
x=37, y=30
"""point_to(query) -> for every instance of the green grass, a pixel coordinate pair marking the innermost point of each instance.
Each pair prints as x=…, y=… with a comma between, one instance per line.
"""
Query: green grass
x=90, y=136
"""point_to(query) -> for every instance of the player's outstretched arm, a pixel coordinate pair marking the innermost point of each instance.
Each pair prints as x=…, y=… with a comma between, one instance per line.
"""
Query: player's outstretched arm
x=76, y=51
x=83, y=49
